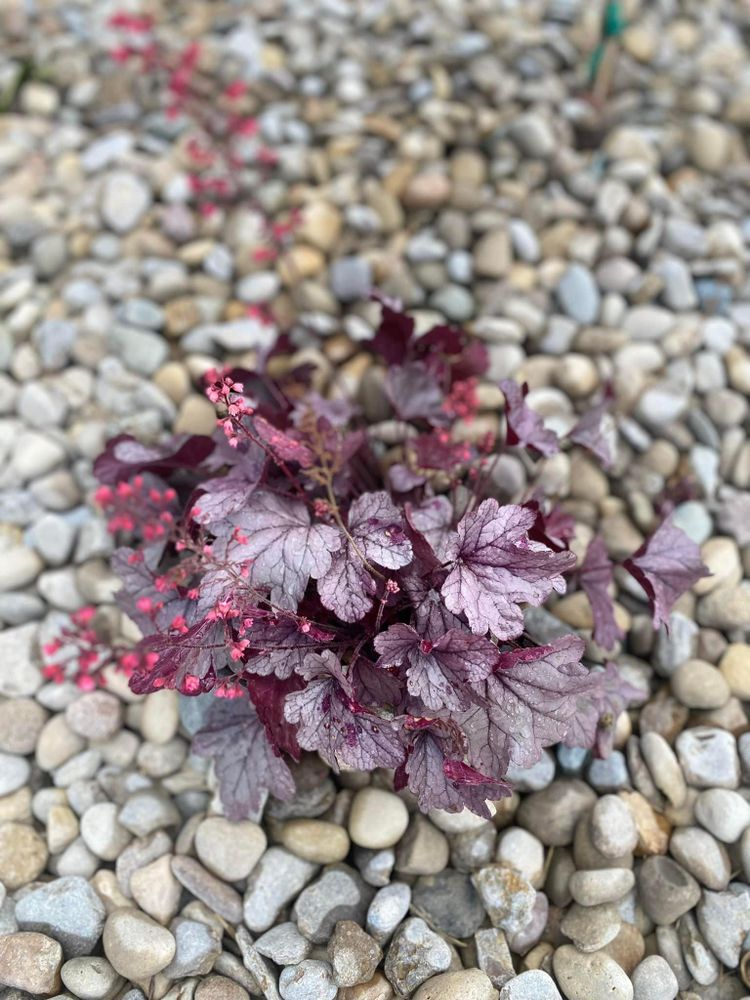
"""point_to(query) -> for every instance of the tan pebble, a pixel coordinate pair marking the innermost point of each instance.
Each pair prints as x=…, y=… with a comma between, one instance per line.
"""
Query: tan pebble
x=427, y=190
x=196, y=415
x=136, y=945
x=653, y=830
x=492, y=254
x=62, y=828
x=57, y=743
x=735, y=669
x=156, y=890
x=698, y=684
x=105, y=885
x=320, y=226
x=23, y=855
x=16, y=806
x=300, y=262
x=377, y=988
x=377, y=818
x=160, y=718
x=220, y=988
x=315, y=840
x=722, y=559
x=21, y=720
x=174, y=380
x=229, y=849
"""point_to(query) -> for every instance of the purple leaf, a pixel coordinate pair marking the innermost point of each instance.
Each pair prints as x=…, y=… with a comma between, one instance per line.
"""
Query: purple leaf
x=442, y=783
x=393, y=337
x=330, y=721
x=139, y=592
x=554, y=529
x=495, y=566
x=666, y=566
x=525, y=426
x=245, y=763
x=415, y=393
x=124, y=456
x=285, y=446
x=604, y=697
x=402, y=479
x=188, y=662
x=590, y=433
x=347, y=588
x=283, y=548
x=439, y=672
x=269, y=695
x=433, y=519
x=375, y=688
x=377, y=536
x=282, y=647
x=437, y=450
x=596, y=575
x=527, y=704
x=222, y=497
x=336, y=412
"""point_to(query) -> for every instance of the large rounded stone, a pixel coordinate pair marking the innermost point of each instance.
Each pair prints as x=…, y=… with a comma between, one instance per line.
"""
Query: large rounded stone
x=377, y=818
x=136, y=945
x=666, y=889
x=30, y=962
x=229, y=850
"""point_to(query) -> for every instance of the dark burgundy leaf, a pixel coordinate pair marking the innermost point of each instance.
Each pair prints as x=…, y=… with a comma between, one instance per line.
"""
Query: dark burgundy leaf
x=125, y=456
x=496, y=566
x=393, y=337
x=555, y=529
x=268, y=695
x=526, y=426
x=474, y=360
x=596, y=575
x=442, y=339
x=666, y=566
x=375, y=688
x=244, y=761
x=526, y=705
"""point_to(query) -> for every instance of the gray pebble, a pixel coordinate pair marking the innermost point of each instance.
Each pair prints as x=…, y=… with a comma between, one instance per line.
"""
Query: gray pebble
x=415, y=954
x=67, y=909
x=339, y=894
x=310, y=980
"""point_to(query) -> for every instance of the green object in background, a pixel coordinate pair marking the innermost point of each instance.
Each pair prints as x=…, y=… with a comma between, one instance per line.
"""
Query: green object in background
x=613, y=25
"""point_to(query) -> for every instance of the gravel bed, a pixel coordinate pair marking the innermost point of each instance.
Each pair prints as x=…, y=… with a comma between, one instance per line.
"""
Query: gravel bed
x=447, y=153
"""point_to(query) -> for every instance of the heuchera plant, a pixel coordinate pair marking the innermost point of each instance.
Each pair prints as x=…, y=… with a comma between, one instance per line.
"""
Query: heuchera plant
x=338, y=598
